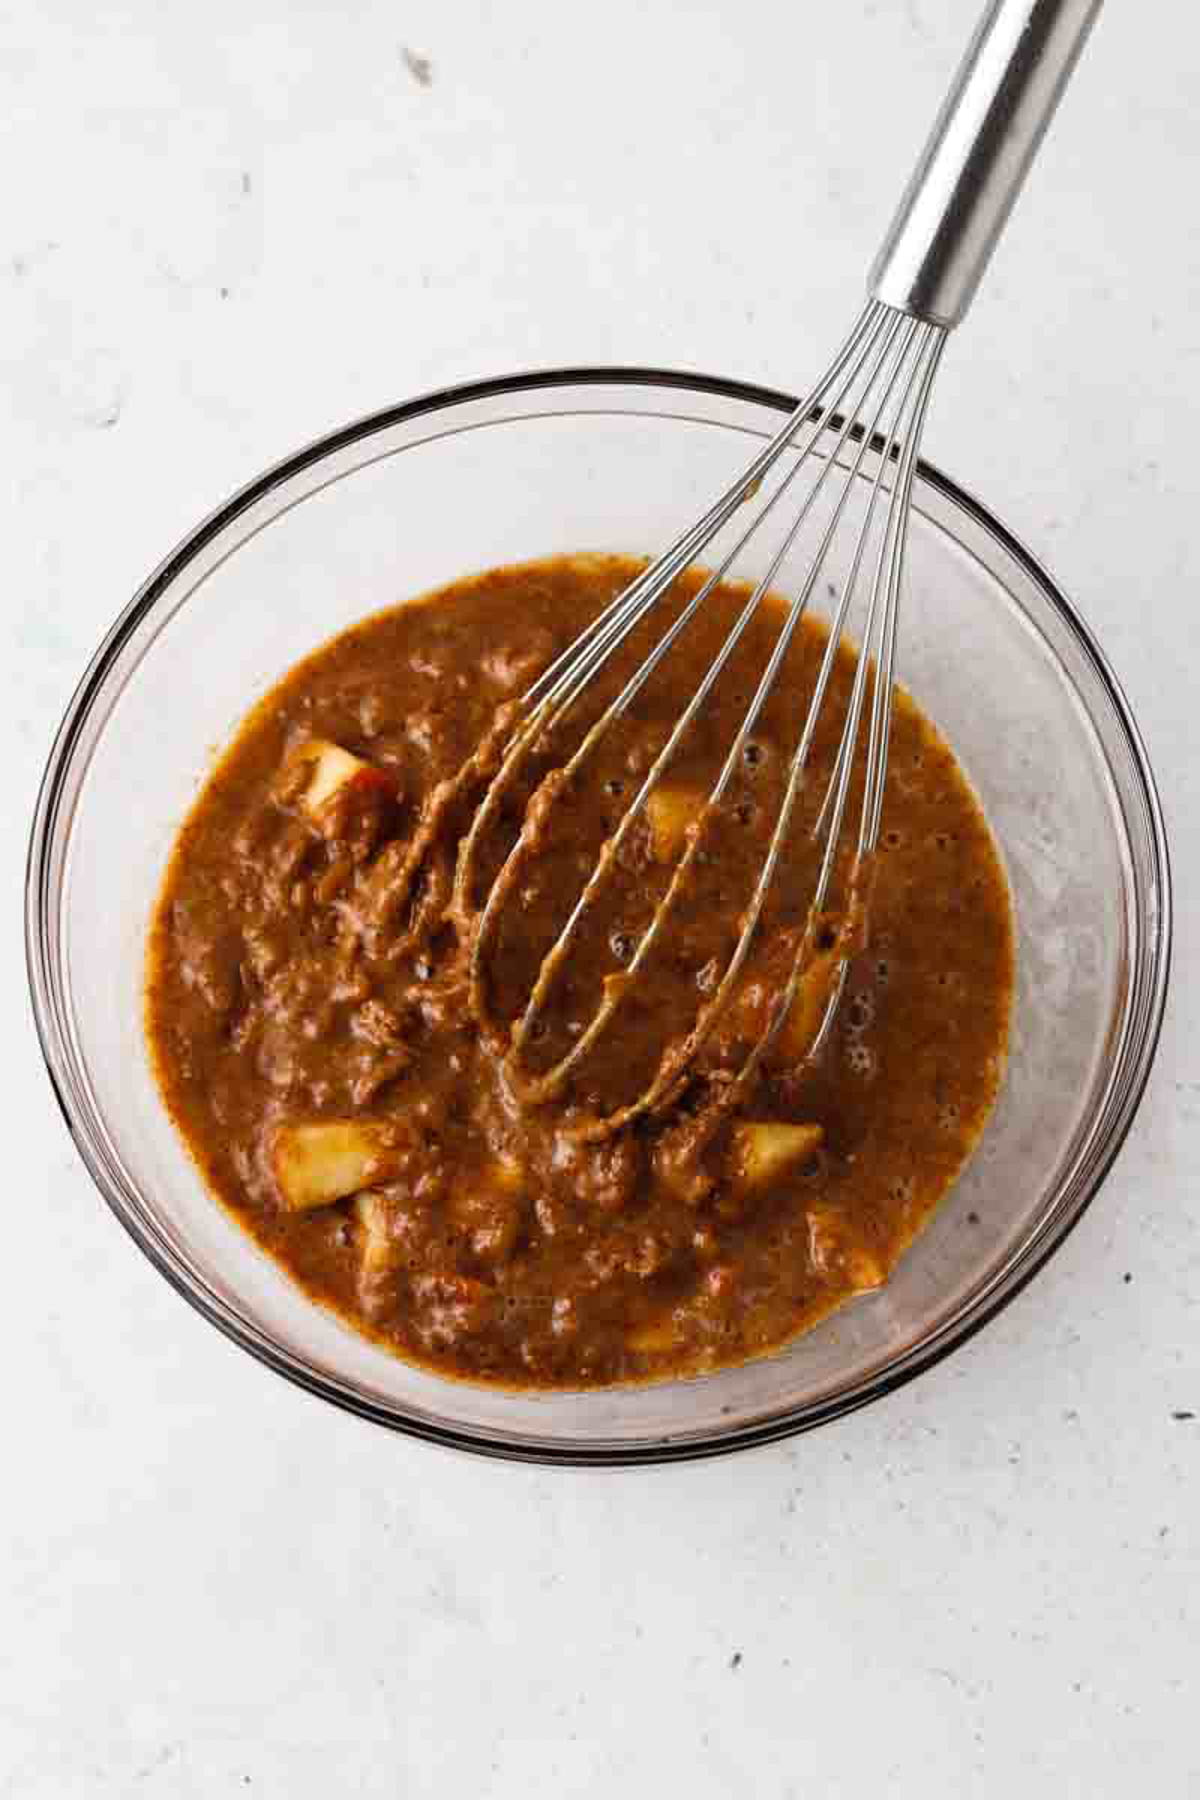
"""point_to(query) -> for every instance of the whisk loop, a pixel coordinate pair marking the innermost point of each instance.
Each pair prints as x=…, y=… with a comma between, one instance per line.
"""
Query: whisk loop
x=872, y=399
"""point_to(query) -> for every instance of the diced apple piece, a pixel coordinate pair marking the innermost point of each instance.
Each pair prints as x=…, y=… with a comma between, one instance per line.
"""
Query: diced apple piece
x=679, y=1159
x=798, y=1031
x=377, y=1250
x=763, y=1152
x=865, y=1270
x=333, y=771
x=669, y=812
x=826, y=1236
x=316, y=1164
x=380, y=1254
x=653, y=1337
x=833, y=1251
x=330, y=767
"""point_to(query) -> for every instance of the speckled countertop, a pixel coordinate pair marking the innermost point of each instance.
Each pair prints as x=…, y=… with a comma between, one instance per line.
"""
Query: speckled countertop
x=226, y=229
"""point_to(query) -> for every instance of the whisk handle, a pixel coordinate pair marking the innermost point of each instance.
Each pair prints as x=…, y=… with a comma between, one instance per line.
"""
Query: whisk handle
x=978, y=155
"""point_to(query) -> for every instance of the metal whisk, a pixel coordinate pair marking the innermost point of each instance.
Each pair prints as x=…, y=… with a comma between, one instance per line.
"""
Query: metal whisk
x=870, y=403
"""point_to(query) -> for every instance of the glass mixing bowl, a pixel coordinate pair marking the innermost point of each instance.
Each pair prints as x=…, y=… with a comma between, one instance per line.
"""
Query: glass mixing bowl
x=604, y=460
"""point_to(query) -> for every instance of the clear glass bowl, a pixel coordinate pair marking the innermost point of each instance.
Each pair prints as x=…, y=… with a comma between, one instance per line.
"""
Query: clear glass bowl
x=605, y=460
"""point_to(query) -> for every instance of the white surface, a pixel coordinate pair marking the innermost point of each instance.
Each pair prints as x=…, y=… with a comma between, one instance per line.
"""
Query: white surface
x=227, y=228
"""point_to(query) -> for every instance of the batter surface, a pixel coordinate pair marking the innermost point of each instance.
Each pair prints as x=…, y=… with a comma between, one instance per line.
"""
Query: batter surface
x=308, y=1017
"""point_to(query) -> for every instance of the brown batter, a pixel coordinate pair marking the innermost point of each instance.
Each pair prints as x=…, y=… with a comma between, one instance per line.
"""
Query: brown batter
x=308, y=1015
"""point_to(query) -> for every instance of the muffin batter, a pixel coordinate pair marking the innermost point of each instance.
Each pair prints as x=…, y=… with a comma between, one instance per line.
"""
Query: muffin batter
x=308, y=1018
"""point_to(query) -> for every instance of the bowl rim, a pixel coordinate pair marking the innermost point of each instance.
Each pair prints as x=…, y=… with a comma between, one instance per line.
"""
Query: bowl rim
x=56, y=1050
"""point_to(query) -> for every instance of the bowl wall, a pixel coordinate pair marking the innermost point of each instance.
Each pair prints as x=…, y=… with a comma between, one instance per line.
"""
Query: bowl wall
x=517, y=470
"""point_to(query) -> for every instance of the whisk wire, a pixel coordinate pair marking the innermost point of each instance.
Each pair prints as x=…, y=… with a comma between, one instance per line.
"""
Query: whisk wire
x=895, y=342
x=887, y=580
x=879, y=348
x=878, y=755
x=665, y=1080
x=665, y=570
x=587, y=654
x=889, y=359
x=685, y=548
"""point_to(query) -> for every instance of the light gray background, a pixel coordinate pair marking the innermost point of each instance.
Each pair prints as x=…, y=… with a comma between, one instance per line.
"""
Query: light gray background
x=227, y=228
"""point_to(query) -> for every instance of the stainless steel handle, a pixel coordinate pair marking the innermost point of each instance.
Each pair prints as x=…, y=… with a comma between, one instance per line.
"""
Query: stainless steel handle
x=978, y=155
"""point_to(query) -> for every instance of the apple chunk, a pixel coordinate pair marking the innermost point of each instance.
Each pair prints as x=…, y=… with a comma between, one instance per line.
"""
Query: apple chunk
x=377, y=1250
x=814, y=990
x=335, y=773
x=761, y=1153
x=834, y=1252
x=669, y=812
x=314, y=1165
